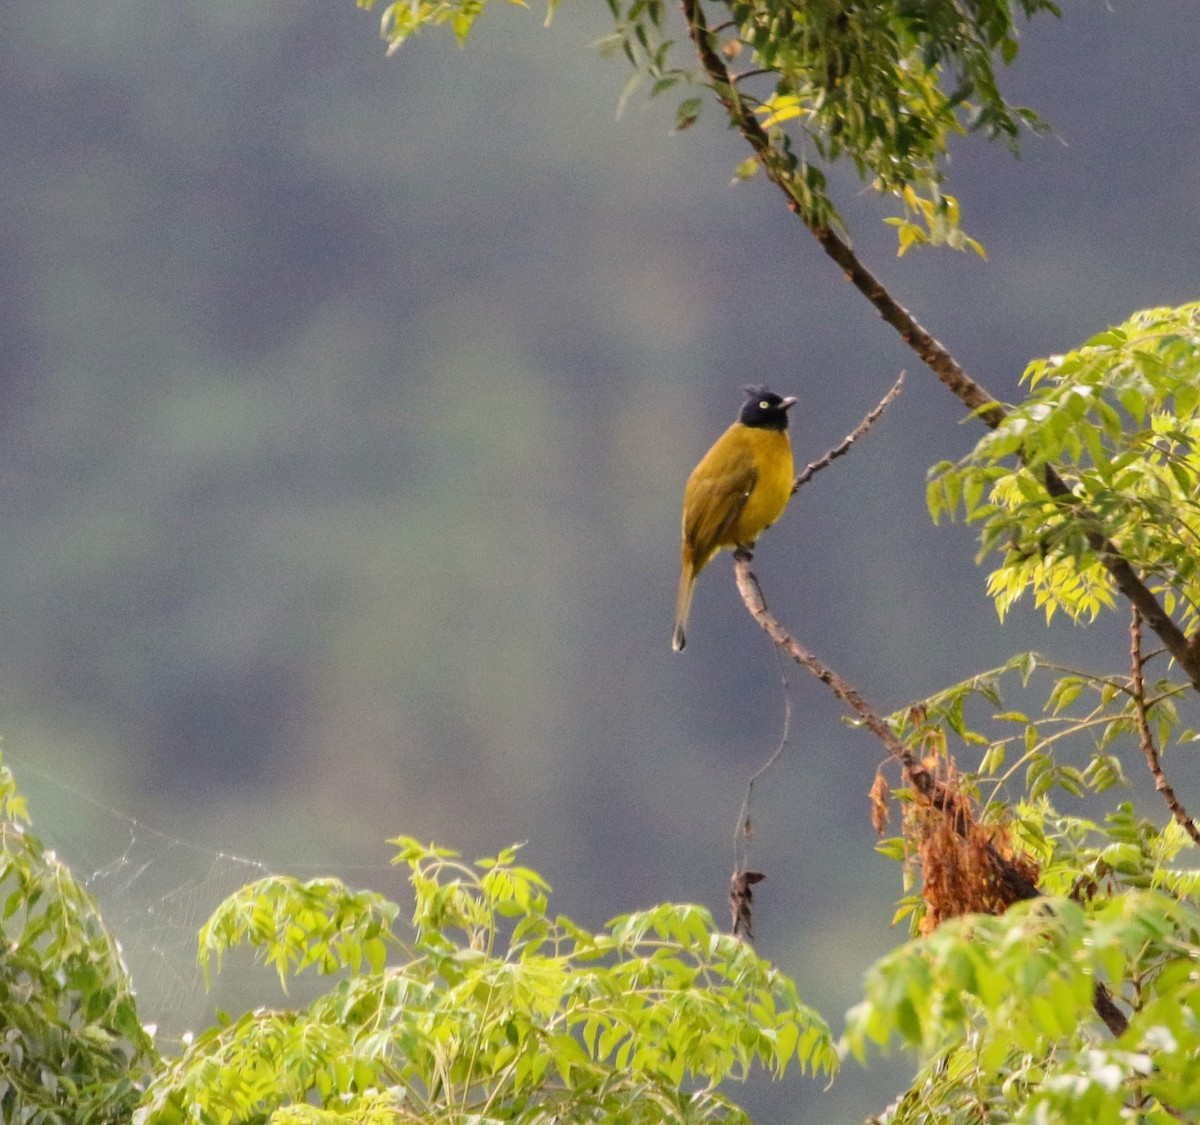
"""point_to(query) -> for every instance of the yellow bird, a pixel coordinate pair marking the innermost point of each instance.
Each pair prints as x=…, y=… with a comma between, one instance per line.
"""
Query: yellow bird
x=739, y=489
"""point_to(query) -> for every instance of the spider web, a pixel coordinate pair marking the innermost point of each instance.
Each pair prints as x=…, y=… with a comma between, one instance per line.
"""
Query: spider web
x=155, y=891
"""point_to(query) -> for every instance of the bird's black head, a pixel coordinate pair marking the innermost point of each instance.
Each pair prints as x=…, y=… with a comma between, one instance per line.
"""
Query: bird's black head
x=765, y=409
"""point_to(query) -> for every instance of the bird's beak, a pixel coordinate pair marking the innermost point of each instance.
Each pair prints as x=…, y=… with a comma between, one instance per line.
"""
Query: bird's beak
x=789, y=402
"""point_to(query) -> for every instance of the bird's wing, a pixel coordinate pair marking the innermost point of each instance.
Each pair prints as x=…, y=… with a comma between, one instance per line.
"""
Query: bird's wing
x=714, y=503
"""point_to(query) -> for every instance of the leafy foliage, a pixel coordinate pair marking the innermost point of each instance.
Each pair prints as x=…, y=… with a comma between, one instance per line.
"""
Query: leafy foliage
x=1119, y=418
x=1003, y=1008
x=886, y=85
x=401, y=20
x=883, y=85
x=495, y=1012
x=72, y=1048
x=1080, y=1003
x=297, y=926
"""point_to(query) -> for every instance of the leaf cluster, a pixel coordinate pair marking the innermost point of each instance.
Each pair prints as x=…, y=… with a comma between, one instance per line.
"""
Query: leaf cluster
x=494, y=1011
x=1119, y=419
x=886, y=85
x=72, y=1049
x=642, y=33
x=1003, y=1011
x=883, y=85
x=403, y=19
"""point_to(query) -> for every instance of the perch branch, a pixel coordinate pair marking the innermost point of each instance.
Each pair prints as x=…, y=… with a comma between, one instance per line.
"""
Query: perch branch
x=740, y=894
x=777, y=166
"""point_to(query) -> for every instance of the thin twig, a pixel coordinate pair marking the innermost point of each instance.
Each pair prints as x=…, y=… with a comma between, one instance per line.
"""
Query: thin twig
x=744, y=829
x=1149, y=750
x=814, y=467
x=758, y=73
x=742, y=880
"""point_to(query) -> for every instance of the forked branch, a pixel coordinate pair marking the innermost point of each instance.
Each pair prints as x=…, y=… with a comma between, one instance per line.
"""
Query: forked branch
x=740, y=894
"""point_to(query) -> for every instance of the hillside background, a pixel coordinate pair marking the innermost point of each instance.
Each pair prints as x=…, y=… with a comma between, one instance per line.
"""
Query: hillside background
x=345, y=407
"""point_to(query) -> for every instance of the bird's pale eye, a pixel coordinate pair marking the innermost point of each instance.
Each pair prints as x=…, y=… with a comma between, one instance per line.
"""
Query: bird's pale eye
x=763, y=405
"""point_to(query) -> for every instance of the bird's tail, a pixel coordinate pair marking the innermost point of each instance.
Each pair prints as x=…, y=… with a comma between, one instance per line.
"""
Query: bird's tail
x=683, y=603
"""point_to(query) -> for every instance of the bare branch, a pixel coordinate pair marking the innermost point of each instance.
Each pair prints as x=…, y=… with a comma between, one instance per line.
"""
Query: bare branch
x=752, y=595
x=1146, y=736
x=814, y=467
x=740, y=895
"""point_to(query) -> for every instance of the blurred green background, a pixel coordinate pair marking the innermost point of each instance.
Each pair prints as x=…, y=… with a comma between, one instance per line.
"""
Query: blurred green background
x=347, y=404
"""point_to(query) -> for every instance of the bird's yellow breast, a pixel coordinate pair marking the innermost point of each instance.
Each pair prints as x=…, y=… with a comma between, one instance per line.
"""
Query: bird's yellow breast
x=739, y=489
x=773, y=488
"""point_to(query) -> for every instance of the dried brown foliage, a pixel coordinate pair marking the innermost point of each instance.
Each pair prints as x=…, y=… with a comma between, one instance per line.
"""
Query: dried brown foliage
x=966, y=866
x=878, y=796
x=741, y=902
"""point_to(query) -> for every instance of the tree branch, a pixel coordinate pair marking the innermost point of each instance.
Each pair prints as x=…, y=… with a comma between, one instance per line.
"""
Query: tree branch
x=778, y=168
x=1146, y=737
x=932, y=352
x=918, y=775
x=814, y=467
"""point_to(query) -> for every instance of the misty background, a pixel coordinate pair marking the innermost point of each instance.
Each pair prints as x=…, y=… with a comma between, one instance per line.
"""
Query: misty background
x=345, y=408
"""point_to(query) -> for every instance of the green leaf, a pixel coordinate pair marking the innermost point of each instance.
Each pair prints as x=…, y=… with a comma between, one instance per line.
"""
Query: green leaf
x=747, y=169
x=687, y=113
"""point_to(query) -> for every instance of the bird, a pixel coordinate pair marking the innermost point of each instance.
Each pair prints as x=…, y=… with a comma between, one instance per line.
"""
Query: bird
x=740, y=487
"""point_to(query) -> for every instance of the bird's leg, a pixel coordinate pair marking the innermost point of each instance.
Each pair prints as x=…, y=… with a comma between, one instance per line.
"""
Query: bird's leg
x=741, y=551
